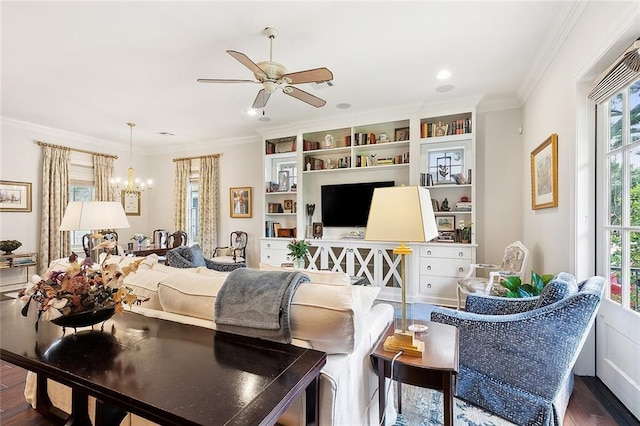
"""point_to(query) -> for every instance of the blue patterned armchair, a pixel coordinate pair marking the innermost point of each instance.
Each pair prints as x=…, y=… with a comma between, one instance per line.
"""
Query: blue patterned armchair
x=192, y=257
x=516, y=355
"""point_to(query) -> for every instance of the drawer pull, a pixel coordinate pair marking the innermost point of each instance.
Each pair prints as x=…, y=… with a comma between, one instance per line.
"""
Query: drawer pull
x=429, y=285
x=429, y=268
x=429, y=252
x=268, y=257
x=269, y=245
x=321, y=248
x=461, y=269
x=379, y=251
x=461, y=254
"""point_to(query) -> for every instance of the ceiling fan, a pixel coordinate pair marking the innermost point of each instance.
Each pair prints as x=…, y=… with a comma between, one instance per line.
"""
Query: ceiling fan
x=274, y=76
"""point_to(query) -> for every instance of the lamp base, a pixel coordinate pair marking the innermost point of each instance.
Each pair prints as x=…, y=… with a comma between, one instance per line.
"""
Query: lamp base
x=404, y=342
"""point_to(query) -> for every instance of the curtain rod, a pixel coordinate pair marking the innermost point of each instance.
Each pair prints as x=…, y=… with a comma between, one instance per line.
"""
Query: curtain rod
x=199, y=156
x=77, y=150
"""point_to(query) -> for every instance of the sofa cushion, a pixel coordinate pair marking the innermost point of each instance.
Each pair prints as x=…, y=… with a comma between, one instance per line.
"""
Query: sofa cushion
x=327, y=316
x=560, y=287
x=320, y=277
x=144, y=283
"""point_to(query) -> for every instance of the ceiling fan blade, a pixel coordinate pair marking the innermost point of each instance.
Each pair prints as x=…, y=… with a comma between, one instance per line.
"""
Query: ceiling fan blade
x=304, y=96
x=316, y=75
x=223, y=80
x=261, y=99
x=244, y=60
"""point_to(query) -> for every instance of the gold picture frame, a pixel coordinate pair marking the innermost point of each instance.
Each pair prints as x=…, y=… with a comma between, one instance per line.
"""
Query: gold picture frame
x=131, y=202
x=240, y=202
x=544, y=174
x=15, y=196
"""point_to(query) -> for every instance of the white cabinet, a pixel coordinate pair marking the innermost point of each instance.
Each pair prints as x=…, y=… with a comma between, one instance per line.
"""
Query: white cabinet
x=439, y=267
x=274, y=251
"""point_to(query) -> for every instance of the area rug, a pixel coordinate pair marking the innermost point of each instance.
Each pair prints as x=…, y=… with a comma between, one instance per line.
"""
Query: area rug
x=424, y=407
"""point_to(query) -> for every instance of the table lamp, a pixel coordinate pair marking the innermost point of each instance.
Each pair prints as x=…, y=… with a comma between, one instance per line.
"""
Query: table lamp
x=94, y=215
x=402, y=214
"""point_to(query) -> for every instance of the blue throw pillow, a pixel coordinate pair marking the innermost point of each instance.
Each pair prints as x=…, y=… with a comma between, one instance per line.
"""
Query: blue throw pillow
x=560, y=287
x=196, y=255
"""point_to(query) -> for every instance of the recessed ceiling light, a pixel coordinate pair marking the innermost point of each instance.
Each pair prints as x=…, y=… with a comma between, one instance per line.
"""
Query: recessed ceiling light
x=343, y=105
x=166, y=134
x=251, y=112
x=445, y=88
x=443, y=75
x=264, y=118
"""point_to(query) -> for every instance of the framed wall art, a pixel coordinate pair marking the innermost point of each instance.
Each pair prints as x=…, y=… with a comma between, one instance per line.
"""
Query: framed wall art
x=446, y=223
x=544, y=174
x=402, y=134
x=15, y=196
x=131, y=202
x=240, y=202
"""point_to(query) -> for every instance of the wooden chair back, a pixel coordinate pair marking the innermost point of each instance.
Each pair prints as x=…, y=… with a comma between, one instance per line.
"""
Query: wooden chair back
x=160, y=238
x=89, y=241
x=178, y=238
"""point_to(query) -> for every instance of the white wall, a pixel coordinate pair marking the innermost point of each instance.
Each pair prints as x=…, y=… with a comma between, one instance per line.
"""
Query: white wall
x=498, y=182
x=555, y=107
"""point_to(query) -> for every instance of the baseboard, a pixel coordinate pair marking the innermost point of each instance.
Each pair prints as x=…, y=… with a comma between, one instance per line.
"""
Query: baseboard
x=610, y=402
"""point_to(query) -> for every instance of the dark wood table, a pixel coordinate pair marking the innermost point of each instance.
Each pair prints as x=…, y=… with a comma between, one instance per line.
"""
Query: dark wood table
x=146, y=251
x=437, y=369
x=167, y=372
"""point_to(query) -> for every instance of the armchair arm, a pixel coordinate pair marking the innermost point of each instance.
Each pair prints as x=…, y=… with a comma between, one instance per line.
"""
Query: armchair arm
x=532, y=351
x=474, y=266
x=497, y=305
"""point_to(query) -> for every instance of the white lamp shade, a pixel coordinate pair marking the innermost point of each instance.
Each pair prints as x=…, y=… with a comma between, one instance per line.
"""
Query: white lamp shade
x=86, y=215
x=401, y=214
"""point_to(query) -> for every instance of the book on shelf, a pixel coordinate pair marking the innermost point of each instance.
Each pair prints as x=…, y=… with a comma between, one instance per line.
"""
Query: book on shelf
x=459, y=178
x=271, y=228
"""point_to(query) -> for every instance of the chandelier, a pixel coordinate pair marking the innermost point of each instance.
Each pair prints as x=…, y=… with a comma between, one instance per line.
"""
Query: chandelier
x=133, y=186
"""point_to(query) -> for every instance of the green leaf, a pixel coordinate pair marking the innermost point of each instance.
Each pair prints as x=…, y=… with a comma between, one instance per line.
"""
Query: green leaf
x=511, y=283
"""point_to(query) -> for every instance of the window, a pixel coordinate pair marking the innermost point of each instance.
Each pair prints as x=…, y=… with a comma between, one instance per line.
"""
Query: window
x=192, y=212
x=286, y=165
x=621, y=165
x=80, y=192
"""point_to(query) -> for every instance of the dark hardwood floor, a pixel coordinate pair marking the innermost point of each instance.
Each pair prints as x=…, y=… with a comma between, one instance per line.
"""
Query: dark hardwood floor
x=585, y=407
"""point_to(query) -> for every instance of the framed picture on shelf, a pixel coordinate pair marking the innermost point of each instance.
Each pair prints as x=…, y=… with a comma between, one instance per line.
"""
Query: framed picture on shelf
x=15, y=196
x=544, y=174
x=240, y=202
x=402, y=134
x=131, y=202
x=288, y=206
x=317, y=229
x=283, y=181
x=446, y=223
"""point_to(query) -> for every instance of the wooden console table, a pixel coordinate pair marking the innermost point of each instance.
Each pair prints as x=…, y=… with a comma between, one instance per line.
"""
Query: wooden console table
x=436, y=369
x=167, y=372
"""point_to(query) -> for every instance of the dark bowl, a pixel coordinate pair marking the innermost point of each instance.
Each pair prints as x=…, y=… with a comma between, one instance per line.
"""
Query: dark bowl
x=86, y=318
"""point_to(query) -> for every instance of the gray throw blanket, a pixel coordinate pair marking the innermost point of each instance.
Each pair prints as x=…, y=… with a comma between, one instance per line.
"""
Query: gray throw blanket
x=256, y=303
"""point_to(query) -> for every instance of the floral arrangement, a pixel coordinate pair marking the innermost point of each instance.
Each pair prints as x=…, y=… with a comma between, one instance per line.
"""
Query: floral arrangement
x=139, y=238
x=465, y=230
x=9, y=245
x=80, y=289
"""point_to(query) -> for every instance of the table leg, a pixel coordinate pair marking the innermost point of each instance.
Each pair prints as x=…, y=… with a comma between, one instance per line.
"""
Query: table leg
x=381, y=391
x=312, y=402
x=44, y=405
x=447, y=391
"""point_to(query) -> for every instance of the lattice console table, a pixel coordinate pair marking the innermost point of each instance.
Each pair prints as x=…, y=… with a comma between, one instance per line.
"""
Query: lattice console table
x=19, y=260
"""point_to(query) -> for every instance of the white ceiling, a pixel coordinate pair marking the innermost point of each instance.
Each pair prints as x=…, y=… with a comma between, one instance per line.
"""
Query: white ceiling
x=91, y=67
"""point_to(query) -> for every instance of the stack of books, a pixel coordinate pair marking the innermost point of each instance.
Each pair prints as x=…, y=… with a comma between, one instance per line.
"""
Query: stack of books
x=463, y=206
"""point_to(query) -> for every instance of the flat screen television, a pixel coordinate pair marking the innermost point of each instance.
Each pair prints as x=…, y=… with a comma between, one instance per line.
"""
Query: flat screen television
x=348, y=204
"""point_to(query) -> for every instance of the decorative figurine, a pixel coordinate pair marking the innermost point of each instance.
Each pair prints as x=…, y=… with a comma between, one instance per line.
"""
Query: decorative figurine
x=444, y=205
x=328, y=141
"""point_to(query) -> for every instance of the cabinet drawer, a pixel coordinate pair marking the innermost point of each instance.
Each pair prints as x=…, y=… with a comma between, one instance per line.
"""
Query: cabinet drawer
x=451, y=252
x=274, y=244
x=444, y=267
x=438, y=287
x=274, y=257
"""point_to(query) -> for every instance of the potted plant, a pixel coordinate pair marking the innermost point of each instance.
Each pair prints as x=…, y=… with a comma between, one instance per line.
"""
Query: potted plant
x=518, y=290
x=298, y=250
x=465, y=232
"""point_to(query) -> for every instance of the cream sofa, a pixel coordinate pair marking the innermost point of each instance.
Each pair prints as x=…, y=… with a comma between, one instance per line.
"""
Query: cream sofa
x=327, y=314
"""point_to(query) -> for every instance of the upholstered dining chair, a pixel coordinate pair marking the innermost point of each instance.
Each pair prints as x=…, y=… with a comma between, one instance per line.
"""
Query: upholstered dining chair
x=177, y=239
x=160, y=238
x=514, y=263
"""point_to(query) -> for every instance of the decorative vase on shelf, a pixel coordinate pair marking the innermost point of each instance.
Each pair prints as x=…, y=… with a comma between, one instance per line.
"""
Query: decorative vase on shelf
x=298, y=263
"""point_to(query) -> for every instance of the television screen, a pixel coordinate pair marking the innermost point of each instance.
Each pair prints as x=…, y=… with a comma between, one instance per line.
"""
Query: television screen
x=348, y=204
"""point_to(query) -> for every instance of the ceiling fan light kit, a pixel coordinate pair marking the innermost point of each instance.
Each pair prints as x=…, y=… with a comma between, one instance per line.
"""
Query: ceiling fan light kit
x=274, y=76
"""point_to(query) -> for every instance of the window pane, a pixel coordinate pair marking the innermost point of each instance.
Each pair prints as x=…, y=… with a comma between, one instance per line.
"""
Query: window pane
x=615, y=189
x=615, y=121
x=615, y=258
x=634, y=189
x=80, y=192
x=634, y=112
x=634, y=271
